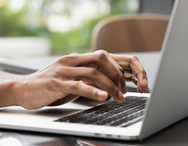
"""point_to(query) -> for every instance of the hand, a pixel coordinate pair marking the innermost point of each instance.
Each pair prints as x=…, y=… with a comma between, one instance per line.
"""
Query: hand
x=95, y=75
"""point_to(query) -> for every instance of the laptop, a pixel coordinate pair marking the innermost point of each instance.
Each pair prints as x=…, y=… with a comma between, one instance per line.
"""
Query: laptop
x=140, y=116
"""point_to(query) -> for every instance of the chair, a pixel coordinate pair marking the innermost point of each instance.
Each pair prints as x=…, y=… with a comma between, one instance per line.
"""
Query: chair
x=130, y=33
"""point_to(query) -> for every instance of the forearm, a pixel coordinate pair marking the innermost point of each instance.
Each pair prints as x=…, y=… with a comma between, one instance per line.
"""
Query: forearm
x=8, y=83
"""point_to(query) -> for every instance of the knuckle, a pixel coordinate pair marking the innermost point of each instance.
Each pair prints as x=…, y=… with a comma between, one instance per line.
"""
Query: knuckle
x=94, y=71
x=136, y=74
x=60, y=71
x=73, y=54
x=144, y=73
x=89, y=90
x=66, y=59
x=53, y=83
x=101, y=51
x=102, y=55
x=62, y=59
x=74, y=85
x=133, y=58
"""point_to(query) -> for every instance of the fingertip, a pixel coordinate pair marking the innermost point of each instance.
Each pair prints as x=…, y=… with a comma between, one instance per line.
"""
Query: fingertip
x=102, y=95
x=143, y=86
x=121, y=98
x=139, y=89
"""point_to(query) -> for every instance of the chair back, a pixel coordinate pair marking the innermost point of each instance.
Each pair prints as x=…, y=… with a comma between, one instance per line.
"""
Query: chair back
x=130, y=33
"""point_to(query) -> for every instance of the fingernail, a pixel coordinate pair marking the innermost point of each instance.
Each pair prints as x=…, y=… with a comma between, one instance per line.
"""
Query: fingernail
x=120, y=96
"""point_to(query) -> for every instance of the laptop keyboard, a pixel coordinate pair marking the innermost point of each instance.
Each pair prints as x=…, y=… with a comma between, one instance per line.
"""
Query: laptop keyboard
x=111, y=113
x=11, y=71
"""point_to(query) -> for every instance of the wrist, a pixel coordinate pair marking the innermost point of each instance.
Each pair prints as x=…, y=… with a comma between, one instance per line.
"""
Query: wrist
x=8, y=93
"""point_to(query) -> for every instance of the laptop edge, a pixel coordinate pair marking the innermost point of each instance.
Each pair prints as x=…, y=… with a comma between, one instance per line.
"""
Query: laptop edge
x=168, y=102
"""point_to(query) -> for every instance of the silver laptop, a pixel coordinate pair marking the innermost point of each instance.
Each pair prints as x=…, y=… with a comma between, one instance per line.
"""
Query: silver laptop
x=140, y=116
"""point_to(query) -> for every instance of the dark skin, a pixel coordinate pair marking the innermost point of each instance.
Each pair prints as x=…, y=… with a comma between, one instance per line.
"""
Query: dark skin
x=97, y=76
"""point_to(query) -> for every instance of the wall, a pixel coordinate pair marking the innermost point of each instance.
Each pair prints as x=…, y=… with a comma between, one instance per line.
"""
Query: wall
x=156, y=6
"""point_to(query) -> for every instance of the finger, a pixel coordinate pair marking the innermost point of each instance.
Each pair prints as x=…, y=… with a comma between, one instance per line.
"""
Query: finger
x=127, y=70
x=123, y=84
x=91, y=84
x=111, y=68
x=122, y=60
x=93, y=76
x=81, y=89
x=131, y=78
x=133, y=63
x=142, y=82
x=122, y=80
x=140, y=74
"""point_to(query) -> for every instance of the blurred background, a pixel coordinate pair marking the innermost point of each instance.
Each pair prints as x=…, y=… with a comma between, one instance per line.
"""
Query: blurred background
x=60, y=27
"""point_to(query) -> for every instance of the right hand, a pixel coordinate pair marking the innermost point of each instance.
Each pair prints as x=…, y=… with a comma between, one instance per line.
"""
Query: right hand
x=94, y=75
